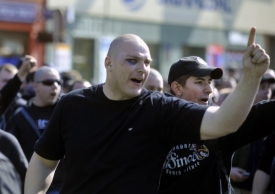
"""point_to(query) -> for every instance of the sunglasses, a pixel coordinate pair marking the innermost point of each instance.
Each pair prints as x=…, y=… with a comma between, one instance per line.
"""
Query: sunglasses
x=50, y=82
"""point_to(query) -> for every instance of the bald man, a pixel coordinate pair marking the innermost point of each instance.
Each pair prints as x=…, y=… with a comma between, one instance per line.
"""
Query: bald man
x=29, y=122
x=115, y=136
x=154, y=81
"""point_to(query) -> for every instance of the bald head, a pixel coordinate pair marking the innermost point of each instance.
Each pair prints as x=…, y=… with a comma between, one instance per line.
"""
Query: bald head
x=127, y=67
x=44, y=70
x=118, y=43
x=154, y=81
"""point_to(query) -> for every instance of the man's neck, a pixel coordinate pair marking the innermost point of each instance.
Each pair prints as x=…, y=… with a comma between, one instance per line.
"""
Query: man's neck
x=38, y=103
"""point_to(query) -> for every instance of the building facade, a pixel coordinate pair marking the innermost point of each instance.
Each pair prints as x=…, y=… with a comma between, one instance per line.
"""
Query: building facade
x=20, y=23
x=216, y=30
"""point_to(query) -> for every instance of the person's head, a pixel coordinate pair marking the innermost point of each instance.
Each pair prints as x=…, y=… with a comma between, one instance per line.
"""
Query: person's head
x=154, y=81
x=214, y=97
x=264, y=91
x=225, y=83
x=7, y=71
x=190, y=78
x=47, y=86
x=166, y=86
x=27, y=89
x=127, y=65
x=273, y=94
x=78, y=84
x=223, y=94
x=69, y=77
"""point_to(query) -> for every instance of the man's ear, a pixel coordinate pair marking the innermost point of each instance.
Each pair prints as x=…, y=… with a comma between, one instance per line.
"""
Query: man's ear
x=108, y=63
x=176, y=87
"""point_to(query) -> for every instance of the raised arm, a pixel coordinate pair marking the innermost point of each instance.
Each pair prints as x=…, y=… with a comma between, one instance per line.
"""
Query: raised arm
x=220, y=121
x=10, y=90
x=39, y=174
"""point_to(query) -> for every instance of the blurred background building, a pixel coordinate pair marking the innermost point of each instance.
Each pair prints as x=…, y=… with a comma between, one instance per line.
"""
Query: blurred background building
x=20, y=23
x=77, y=33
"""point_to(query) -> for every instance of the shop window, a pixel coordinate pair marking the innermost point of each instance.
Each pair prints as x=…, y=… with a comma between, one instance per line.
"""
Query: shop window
x=154, y=51
x=194, y=51
x=83, y=57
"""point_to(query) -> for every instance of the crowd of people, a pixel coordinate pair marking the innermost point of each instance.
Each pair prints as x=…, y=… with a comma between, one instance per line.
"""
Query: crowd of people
x=138, y=132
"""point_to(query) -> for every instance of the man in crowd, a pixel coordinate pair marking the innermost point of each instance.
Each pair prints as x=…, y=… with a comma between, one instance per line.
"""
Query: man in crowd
x=154, y=81
x=246, y=158
x=265, y=170
x=7, y=72
x=195, y=167
x=11, y=88
x=116, y=135
x=78, y=84
x=13, y=162
x=29, y=123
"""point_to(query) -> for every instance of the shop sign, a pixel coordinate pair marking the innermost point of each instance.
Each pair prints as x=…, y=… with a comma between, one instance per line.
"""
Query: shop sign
x=17, y=12
x=134, y=5
x=214, y=5
x=215, y=55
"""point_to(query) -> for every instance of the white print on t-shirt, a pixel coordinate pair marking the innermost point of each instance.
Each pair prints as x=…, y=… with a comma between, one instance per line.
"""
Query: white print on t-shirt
x=42, y=123
x=184, y=157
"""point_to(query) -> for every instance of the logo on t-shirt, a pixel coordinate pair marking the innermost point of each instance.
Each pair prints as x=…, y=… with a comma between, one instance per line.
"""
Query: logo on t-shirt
x=42, y=123
x=184, y=157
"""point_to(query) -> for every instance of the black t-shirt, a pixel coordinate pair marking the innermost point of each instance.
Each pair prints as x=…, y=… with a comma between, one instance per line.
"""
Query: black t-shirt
x=27, y=137
x=10, y=180
x=23, y=130
x=267, y=154
x=193, y=168
x=10, y=147
x=117, y=146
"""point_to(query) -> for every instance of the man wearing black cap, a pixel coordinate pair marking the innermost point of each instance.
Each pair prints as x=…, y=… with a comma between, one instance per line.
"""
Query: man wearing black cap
x=204, y=168
x=195, y=71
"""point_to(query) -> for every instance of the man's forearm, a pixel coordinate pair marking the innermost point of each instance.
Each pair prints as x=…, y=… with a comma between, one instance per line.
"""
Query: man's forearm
x=237, y=105
x=260, y=182
x=233, y=111
x=39, y=175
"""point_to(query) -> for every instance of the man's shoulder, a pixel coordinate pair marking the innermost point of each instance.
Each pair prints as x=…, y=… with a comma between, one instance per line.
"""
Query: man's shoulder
x=5, y=136
x=81, y=95
x=159, y=98
x=155, y=94
x=83, y=92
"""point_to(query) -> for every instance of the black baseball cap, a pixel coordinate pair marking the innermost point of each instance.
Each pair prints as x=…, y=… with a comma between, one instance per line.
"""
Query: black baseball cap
x=194, y=66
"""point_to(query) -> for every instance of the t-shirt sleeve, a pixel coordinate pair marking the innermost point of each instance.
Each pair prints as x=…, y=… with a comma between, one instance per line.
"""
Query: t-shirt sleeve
x=15, y=153
x=268, y=154
x=50, y=144
x=181, y=120
x=259, y=123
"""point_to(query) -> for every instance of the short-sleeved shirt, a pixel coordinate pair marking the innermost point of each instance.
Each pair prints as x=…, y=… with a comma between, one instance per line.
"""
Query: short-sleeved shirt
x=117, y=146
x=193, y=168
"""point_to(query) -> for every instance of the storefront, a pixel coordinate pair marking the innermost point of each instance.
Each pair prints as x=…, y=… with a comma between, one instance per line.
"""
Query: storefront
x=216, y=30
x=20, y=23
